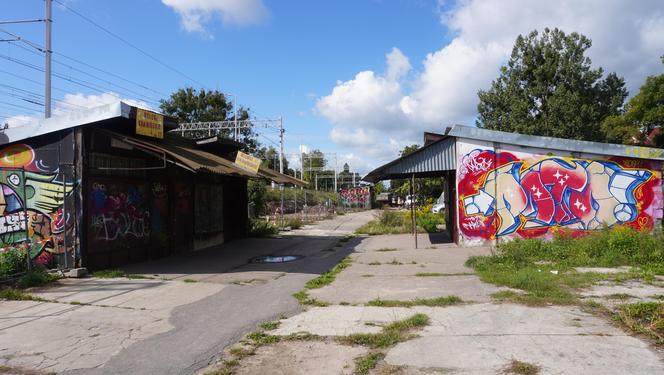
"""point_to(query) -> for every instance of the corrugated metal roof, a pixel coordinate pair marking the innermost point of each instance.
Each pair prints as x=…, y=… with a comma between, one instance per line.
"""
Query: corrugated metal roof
x=192, y=158
x=429, y=160
x=570, y=145
x=280, y=178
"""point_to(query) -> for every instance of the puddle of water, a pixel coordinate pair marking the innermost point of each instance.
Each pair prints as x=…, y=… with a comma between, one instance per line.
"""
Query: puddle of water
x=275, y=258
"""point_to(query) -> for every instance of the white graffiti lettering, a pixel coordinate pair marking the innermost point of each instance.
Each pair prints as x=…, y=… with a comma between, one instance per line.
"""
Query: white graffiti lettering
x=473, y=222
x=12, y=223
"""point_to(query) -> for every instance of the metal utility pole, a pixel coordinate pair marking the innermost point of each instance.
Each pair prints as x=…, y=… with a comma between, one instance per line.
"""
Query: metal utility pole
x=235, y=128
x=47, y=59
x=335, y=173
x=281, y=145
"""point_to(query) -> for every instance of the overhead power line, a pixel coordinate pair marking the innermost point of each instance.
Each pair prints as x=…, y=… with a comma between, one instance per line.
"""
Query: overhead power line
x=125, y=41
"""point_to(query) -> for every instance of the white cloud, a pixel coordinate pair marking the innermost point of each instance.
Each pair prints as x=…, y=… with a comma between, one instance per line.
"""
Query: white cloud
x=194, y=14
x=626, y=35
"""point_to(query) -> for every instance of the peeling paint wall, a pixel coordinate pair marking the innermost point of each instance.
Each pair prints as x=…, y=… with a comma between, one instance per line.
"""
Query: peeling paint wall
x=506, y=192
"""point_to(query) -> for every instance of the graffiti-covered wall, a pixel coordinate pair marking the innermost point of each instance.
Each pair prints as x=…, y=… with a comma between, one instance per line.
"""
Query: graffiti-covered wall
x=356, y=197
x=511, y=193
x=37, y=204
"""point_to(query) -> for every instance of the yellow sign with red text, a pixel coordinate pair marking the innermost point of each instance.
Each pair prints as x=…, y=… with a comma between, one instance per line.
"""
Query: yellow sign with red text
x=247, y=162
x=149, y=124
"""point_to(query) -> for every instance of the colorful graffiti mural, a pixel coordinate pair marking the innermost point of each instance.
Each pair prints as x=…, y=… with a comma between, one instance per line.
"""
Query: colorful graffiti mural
x=502, y=194
x=117, y=212
x=32, y=201
x=356, y=196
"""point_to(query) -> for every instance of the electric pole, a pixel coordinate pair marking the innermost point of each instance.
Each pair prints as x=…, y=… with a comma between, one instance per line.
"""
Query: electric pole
x=47, y=58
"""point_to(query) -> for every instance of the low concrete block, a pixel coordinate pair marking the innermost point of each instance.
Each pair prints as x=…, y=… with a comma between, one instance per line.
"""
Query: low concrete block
x=77, y=273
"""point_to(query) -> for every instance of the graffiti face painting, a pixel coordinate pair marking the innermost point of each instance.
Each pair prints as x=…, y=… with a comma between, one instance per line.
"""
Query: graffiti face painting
x=30, y=188
x=501, y=194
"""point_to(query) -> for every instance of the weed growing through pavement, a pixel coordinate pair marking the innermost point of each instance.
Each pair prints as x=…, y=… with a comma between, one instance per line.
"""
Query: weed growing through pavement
x=108, y=274
x=431, y=302
x=645, y=318
x=13, y=294
x=304, y=299
x=328, y=277
x=521, y=368
x=375, y=263
x=368, y=362
x=437, y=274
x=190, y=281
x=391, y=334
x=269, y=326
x=387, y=249
x=394, y=262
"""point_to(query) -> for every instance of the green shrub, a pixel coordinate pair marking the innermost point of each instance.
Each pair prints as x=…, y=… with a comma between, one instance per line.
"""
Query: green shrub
x=429, y=221
x=36, y=277
x=13, y=262
x=262, y=228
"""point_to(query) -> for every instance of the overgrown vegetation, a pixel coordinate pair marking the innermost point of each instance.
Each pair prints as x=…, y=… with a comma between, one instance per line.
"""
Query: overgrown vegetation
x=438, y=301
x=13, y=294
x=304, y=299
x=37, y=277
x=397, y=222
x=391, y=334
x=543, y=269
x=387, y=222
x=645, y=318
x=262, y=228
x=13, y=262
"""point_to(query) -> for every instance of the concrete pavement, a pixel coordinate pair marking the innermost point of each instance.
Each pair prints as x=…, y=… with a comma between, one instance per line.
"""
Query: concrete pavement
x=478, y=336
x=180, y=321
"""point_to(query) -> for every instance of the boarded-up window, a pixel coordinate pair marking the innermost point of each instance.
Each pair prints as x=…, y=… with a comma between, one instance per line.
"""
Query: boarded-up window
x=209, y=209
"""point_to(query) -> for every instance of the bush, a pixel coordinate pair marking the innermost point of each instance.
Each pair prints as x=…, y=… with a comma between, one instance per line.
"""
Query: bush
x=429, y=221
x=262, y=228
x=36, y=277
x=13, y=262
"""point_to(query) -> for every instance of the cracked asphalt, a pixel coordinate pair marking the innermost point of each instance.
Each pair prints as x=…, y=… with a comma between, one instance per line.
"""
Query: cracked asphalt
x=177, y=322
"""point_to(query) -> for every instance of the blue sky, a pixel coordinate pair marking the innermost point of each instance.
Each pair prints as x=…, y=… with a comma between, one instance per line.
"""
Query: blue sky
x=361, y=78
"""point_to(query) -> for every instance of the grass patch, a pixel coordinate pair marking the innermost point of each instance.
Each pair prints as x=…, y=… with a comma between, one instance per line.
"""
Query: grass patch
x=365, y=364
x=431, y=302
x=375, y=263
x=37, y=277
x=387, y=249
x=391, y=334
x=619, y=296
x=437, y=274
x=394, y=262
x=139, y=277
x=387, y=222
x=189, y=281
x=304, y=299
x=328, y=277
x=260, y=338
x=261, y=229
x=13, y=294
x=645, y=318
x=108, y=274
x=521, y=368
x=269, y=326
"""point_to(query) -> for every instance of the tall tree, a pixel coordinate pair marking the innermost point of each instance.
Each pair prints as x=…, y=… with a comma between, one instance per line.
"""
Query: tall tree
x=191, y=105
x=313, y=162
x=643, y=118
x=549, y=88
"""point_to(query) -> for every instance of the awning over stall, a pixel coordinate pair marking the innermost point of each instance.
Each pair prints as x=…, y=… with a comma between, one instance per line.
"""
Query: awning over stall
x=428, y=161
x=280, y=178
x=186, y=154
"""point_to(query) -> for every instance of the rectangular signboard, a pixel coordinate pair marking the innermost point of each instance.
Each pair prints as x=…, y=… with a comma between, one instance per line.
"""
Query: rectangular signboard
x=149, y=124
x=247, y=162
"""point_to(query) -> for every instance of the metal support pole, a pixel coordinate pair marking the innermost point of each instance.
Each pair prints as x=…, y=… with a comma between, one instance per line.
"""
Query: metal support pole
x=235, y=128
x=335, y=173
x=281, y=145
x=47, y=59
x=25, y=221
x=413, y=212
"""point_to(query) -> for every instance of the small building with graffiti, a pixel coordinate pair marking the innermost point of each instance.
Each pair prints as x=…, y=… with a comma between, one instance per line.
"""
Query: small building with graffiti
x=502, y=186
x=110, y=185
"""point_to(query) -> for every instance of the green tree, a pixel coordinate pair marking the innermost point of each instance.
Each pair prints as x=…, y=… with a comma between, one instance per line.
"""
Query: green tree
x=549, y=88
x=643, y=115
x=191, y=105
x=270, y=158
x=313, y=162
x=402, y=186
